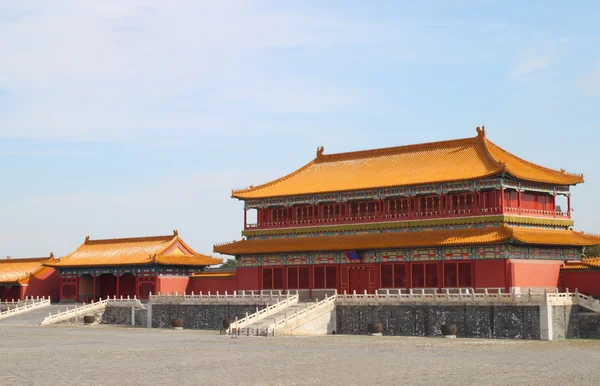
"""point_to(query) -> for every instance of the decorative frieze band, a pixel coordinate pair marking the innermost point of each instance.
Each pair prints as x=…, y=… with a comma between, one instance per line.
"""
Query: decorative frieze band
x=407, y=191
x=505, y=251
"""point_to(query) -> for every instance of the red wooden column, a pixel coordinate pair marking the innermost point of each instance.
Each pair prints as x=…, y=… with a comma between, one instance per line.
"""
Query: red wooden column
x=380, y=209
x=118, y=292
x=77, y=289
x=137, y=286
x=156, y=285
x=519, y=198
x=410, y=207
x=94, y=289
x=62, y=285
x=568, y=205
x=442, y=204
x=341, y=211
x=245, y=218
x=476, y=199
x=314, y=214
x=502, y=200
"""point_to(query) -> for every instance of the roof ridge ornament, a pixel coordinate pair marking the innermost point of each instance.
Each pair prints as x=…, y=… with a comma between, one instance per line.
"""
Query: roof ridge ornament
x=480, y=131
x=87, y=238
x=320, y=151
x=175, y=232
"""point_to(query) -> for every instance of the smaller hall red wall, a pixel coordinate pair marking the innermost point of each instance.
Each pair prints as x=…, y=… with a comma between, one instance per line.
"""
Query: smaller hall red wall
x=212, y=285
x=46, y=283
x=586, y=282
x=172, y=284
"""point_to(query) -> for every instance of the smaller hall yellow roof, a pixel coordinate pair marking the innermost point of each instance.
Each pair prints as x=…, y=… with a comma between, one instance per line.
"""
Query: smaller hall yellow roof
x=427, y=163
x=587, y=263
x=433, y=238
x=20, y=269
x=164, y=250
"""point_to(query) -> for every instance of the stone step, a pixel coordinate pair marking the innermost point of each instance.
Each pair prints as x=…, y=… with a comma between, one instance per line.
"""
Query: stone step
x=268, y=322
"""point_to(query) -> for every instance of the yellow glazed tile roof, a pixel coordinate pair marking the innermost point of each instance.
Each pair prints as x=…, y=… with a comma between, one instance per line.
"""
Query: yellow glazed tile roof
x=19, y=270
x=133, y=251
x=587, y=263
x=458, y=237
x=446, y=161
x=211, y=275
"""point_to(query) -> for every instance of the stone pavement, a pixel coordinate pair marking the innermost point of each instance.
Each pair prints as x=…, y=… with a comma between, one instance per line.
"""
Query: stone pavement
x=34, y=317
x=106, y=355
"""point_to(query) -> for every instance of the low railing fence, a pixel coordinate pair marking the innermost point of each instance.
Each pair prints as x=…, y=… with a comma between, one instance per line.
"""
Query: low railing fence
x=25, y=307
x=264, y=313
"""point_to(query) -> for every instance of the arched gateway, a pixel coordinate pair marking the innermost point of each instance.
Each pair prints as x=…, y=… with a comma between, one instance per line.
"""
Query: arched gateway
x=128, y=267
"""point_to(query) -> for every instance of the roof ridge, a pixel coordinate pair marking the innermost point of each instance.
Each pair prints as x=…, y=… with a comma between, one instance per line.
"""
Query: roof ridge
x=540, y=167
x=129, y=239
x=24, y=259
x=392, y=149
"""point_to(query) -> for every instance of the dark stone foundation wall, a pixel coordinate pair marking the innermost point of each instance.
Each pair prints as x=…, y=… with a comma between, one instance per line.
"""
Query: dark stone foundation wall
x=199, y=317
x=122, y=315
x=515, y=322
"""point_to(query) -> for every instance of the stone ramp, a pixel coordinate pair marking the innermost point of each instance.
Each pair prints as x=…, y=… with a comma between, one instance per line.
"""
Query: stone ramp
x=300, y=318
x=35, y=317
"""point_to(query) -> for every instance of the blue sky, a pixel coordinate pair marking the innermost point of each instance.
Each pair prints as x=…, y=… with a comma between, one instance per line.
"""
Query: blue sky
x=126, y=118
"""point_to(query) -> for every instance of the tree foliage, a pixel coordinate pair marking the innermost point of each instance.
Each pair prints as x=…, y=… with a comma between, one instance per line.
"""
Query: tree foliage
x=229, y=263
x=592, y=251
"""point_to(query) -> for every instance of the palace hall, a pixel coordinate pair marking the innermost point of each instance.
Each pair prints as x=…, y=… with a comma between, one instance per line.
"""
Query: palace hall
x=453, y=214
x=128, y=267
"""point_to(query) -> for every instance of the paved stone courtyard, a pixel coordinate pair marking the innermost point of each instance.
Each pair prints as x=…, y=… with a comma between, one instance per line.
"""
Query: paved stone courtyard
x=105, y=355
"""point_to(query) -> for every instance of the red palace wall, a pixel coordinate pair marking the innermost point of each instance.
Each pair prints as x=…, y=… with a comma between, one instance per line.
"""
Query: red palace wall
x=46, y=283
x=212, y=285
x=493, y=274
x=534, y=274
x=586, y=282
x=172, y=284
x=248, y=278
x=489, y=273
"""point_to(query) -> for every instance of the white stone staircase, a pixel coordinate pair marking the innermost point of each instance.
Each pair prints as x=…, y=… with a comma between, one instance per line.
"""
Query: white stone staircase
x=289, y=318
x=87, y=309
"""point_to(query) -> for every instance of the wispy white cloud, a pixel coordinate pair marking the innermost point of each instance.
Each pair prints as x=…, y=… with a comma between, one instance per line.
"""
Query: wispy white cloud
x=530, y=61
x=123, y=69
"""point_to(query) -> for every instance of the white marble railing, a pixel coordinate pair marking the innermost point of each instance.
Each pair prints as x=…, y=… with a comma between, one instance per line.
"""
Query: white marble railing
x=25, y=306
x=469, y=296
x=237, y=297
x=68, y=314
x=264, y=313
